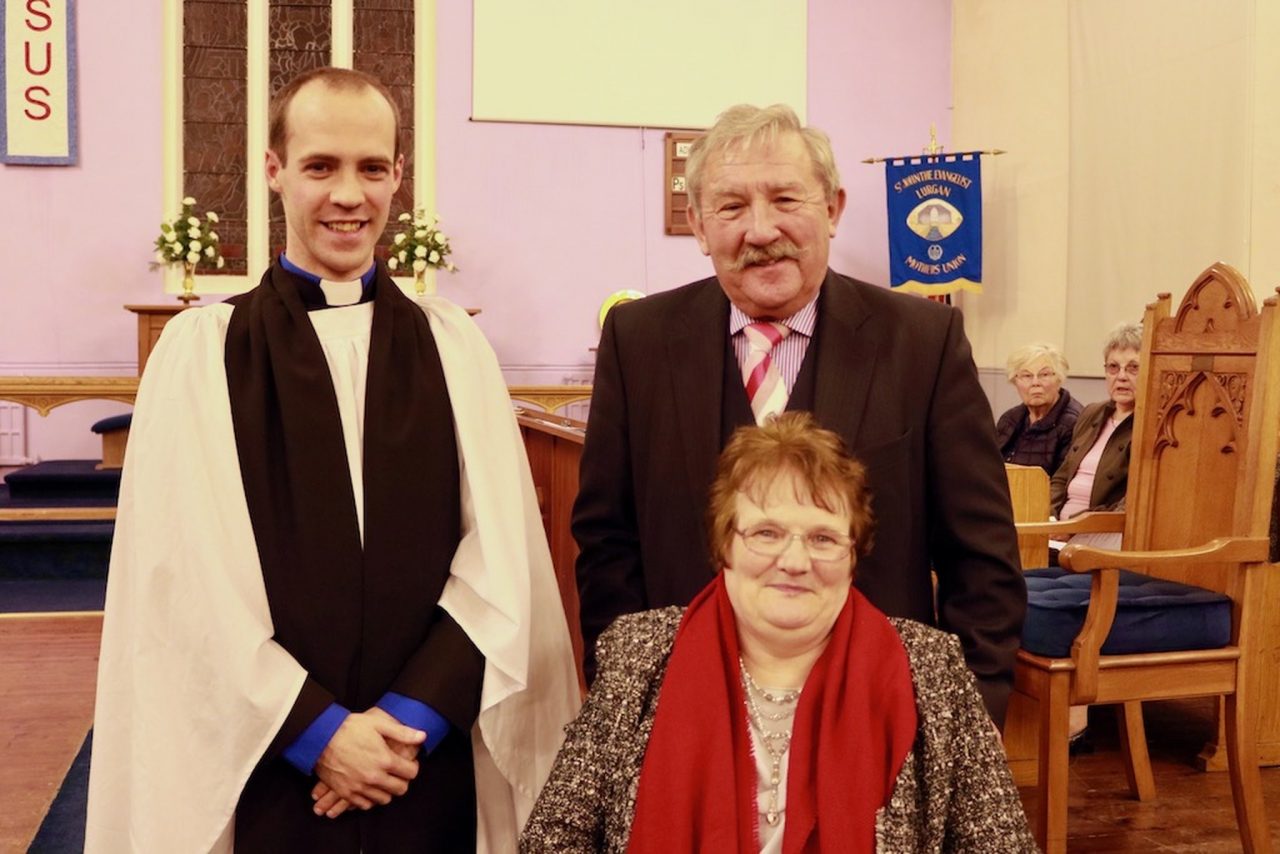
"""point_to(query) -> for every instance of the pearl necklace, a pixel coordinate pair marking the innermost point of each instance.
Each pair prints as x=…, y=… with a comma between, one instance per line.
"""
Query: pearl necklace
x=776, y=743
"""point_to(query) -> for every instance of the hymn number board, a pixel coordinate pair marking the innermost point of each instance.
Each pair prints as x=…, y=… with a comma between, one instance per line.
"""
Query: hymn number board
x=675, y=194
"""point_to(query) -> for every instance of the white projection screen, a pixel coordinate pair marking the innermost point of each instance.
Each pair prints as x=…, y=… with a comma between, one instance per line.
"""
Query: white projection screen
x=635, y=63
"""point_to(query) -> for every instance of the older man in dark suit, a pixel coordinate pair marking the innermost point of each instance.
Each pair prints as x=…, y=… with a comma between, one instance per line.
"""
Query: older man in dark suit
x=776, y=329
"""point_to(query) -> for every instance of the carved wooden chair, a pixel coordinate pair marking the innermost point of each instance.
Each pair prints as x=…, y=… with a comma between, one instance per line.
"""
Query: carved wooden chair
x=1198, y=510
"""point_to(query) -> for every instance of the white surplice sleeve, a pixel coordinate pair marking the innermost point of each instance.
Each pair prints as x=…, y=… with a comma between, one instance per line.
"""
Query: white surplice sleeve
x=191, y=686
x=502, y=589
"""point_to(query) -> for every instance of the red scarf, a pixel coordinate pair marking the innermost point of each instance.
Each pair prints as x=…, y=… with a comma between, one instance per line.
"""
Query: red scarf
x=854, y=724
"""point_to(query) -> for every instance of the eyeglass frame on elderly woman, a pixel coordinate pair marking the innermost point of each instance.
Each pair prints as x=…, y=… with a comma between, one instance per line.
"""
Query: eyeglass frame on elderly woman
x=776, y=548
x=1114, y=368
x=1044, y=375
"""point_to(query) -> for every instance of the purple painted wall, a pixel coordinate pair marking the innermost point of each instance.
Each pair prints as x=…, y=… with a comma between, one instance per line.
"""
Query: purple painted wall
x=76, y=240
x=546, y=221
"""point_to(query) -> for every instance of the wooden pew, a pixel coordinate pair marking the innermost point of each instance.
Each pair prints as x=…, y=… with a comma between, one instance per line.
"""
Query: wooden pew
x=1029, y=492
x=554, y=447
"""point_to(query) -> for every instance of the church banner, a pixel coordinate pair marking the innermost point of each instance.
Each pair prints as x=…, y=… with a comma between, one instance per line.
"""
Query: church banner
x=935, y=223
x=38, y=83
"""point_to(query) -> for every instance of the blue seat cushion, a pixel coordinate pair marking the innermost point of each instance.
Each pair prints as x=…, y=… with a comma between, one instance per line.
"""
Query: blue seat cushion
x=115, y=422
x=1152, y=615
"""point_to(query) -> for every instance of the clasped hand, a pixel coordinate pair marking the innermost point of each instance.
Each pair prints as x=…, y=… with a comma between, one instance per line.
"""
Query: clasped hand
x=370, y=759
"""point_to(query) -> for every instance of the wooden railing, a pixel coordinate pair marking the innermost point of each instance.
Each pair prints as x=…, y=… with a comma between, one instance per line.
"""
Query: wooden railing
x=44, y=394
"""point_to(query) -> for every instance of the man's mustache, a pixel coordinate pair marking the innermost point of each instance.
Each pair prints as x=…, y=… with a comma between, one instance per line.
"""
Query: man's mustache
x=778, y=250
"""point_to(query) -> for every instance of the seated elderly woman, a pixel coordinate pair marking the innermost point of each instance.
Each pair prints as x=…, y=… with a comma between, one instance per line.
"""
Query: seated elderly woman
x=1095, y=472
x=781, y=711
x=1037, y=431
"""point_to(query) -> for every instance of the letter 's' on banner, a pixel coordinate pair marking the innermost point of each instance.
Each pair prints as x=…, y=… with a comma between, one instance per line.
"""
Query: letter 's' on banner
x=935, y=223
x=38, y=83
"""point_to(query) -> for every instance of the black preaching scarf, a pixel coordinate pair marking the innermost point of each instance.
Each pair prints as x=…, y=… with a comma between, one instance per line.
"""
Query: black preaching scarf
x=352, y=617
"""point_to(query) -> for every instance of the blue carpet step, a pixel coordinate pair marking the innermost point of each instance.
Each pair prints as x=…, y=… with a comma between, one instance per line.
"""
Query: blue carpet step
x=59, y=480
x=48, y=550
x=45, y=595
x=7, y=500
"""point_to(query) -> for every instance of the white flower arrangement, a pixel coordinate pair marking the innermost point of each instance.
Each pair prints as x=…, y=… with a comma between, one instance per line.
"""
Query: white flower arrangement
x=420, y=245
x=189, y=239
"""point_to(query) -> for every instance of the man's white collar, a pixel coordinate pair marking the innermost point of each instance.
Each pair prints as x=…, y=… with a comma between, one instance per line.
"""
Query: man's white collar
x=342, y=293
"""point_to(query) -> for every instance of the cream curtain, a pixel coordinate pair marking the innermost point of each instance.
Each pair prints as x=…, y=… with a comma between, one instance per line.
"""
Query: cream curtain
x=1138, y=133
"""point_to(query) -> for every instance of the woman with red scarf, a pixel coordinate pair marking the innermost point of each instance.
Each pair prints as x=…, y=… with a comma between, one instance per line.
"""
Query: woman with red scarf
x=781, y=712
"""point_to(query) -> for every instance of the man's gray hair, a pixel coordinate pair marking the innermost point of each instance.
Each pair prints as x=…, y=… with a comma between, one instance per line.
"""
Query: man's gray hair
x=1126, y=336
x=743, y=126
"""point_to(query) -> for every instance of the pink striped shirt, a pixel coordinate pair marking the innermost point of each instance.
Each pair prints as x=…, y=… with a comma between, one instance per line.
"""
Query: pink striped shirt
x=789, y=354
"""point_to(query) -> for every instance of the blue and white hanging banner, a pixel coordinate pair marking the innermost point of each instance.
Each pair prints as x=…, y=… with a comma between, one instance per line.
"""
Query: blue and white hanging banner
x=935, y=223
x=38, y=83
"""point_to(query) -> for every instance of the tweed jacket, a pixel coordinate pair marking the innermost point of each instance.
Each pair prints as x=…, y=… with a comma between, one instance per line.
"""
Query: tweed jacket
x=1112, y=480
x=1043, y=443
x=954, y=792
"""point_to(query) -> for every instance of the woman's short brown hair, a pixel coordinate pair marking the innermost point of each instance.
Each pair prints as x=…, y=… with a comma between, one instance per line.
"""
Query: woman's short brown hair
x=792, y=444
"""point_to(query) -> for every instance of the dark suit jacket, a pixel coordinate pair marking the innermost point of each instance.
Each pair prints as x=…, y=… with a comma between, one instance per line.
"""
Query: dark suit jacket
x=895, y=377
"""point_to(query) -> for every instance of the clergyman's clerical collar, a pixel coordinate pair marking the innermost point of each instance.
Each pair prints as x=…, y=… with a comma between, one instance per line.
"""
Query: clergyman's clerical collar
x=318, y=293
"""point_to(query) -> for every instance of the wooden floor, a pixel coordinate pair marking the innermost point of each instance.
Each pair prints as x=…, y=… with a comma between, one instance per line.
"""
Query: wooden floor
x=48, y=669
x=1192, y=811
x=47, y=674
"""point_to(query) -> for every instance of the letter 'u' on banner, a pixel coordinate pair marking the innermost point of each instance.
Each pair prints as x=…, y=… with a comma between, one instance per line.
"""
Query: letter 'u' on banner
x=935, y=223
x=38, y=83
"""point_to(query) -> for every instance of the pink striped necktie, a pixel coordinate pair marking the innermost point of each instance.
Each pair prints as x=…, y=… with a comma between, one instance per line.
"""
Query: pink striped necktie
x=765, y=388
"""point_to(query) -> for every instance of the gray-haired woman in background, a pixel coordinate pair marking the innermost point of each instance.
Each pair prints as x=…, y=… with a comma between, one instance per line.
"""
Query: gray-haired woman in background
x=1037, y=432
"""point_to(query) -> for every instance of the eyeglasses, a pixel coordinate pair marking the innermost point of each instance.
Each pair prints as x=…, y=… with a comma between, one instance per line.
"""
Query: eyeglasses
x=769, y=540
x=1113, y=368
x=1046, y=376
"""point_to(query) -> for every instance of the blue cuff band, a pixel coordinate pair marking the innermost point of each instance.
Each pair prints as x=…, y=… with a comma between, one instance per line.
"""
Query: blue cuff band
x=416, y=714
x=306, y=749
